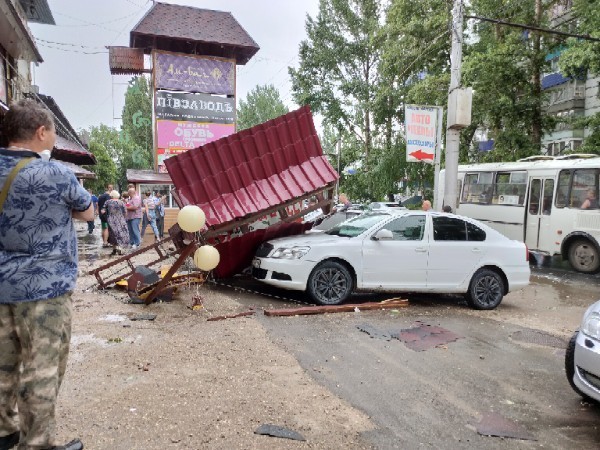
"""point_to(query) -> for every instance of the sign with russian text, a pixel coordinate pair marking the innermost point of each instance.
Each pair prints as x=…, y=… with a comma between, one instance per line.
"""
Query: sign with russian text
x=174, y=134
x=421, y=133
x=194, y=73
x=187, y=106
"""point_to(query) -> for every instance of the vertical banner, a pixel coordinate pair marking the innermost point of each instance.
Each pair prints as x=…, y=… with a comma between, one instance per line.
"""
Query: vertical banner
x=421, y=132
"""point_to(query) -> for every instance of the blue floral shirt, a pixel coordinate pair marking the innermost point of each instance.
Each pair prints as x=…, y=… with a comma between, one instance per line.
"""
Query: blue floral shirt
x=38, y=242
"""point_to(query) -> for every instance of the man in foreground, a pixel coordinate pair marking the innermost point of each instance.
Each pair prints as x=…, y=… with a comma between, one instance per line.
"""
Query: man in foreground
x=38, y=271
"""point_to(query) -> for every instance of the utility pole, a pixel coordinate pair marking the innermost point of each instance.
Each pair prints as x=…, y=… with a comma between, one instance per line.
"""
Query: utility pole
x=452, y=134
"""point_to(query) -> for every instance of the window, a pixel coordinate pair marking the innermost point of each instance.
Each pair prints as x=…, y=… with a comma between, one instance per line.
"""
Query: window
x=510, y=188
x=164, y=189
x=548, y=192
x=585, y=187
x=449, y=229
x=477, y=188
x=409, y=228
x=474, y=233
x=534, y=196
x=562, y=191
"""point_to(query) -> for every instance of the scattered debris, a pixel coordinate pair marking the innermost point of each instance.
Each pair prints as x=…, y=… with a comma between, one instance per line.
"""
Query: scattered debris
x=424, y=337
x=231, y=316
x=142, y=317
x=197, y=303
x=281, y=432
x=374, y=332
x=116, y=340
x=493, y=424
x=307, y=310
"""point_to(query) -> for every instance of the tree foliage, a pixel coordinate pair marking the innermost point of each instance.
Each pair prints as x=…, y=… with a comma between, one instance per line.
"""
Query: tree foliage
x=364, y=60
x=262, y=103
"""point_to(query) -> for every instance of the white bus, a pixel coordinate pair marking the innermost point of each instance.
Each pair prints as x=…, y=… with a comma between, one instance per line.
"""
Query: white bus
x=549, y=203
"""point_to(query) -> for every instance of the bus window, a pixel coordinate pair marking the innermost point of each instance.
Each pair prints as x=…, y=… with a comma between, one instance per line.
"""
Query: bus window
x=584, y=182
x=534, y=196
x=510, y=188
x=477, y=188
x=548, y=192
x=562, y=191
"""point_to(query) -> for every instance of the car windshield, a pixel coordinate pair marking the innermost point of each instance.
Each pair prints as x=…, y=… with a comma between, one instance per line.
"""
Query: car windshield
x=357, y=225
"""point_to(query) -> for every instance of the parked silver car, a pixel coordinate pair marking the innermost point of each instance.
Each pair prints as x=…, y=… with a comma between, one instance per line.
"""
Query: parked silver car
x=582, y=360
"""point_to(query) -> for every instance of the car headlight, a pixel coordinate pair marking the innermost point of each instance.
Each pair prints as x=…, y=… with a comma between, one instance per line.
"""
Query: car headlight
x=290, y=252
x=591, y=326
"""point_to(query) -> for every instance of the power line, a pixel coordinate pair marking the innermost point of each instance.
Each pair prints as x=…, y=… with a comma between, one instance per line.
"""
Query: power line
x=586, y=37
x=66, y=43
x=72, y=51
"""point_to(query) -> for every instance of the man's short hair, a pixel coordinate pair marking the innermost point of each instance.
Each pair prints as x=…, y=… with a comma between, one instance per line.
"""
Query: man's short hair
x=24, y=118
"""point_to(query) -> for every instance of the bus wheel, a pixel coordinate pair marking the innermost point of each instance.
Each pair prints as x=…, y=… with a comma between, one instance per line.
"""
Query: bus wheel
x=584, y=257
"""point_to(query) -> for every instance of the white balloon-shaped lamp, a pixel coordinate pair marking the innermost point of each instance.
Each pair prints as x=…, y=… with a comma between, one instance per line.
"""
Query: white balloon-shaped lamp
x=191, y=218
x=207, y=257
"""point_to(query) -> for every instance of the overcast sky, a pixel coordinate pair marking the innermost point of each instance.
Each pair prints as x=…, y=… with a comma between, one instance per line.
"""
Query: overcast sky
x=75, y=70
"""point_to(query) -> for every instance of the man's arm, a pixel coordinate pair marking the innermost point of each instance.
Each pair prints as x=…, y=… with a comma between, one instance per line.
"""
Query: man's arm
x=86, y=215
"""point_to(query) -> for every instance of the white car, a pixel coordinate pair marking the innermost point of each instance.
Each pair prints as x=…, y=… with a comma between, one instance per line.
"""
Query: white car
x=582, y=359
x=397, y=250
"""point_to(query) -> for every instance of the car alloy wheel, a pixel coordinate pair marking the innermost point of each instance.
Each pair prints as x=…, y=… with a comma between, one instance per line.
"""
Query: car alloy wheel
x=486, y=290
x=330, y=283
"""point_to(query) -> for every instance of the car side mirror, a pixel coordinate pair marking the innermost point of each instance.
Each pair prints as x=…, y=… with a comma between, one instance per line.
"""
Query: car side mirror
x=383, y=234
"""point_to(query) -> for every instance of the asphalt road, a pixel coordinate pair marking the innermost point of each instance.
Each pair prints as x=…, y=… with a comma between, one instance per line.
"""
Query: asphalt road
x=503, y=368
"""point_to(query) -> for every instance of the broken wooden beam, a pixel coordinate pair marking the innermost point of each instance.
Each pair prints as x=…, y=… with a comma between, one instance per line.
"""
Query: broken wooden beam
x=387, y=304
x=231, y=316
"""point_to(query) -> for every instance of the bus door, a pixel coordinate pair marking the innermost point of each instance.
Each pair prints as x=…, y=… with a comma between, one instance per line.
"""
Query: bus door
x=539, y=211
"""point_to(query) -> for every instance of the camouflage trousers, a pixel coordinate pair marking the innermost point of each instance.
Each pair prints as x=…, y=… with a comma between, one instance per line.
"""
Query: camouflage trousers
x=34, y=343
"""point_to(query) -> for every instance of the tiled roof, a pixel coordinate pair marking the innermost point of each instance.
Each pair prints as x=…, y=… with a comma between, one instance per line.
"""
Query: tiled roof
x=210, y=33
x=125, y=60
x=253, y=170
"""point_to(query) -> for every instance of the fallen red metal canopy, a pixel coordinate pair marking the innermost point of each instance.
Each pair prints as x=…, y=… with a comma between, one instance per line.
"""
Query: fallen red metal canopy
x=307, y=310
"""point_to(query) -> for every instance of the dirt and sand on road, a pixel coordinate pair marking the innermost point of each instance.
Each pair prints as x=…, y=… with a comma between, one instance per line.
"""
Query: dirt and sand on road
x=180, y=381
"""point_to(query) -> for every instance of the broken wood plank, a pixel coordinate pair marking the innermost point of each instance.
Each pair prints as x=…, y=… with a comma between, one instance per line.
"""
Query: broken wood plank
x=387, y=304
x=231, y=316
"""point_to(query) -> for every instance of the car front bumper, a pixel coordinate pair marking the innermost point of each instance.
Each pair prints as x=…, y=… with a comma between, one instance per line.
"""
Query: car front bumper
x=284, y=273
x=587, y=366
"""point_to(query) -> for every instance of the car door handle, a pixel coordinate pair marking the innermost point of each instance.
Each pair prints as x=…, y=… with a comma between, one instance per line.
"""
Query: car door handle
x=420, y=249
x=476, y=250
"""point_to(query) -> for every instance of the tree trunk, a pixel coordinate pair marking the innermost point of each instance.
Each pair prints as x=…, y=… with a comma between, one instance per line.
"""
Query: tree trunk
x=536, y=123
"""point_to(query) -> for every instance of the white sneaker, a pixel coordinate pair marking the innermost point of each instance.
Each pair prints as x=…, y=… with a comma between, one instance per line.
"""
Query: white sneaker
x=133, y=247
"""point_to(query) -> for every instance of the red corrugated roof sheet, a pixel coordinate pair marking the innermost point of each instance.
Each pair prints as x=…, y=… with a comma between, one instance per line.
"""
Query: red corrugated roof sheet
x=253, y=170
x=248, y=173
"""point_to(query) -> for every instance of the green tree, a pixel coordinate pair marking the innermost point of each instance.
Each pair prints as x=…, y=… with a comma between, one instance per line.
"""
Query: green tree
x=582, y=57
x=262, y=103
x=504, y=66
x=105, y=168
x=136, y=129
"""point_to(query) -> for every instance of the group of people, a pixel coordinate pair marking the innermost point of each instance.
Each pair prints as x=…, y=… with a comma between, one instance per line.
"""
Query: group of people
x=120, y=217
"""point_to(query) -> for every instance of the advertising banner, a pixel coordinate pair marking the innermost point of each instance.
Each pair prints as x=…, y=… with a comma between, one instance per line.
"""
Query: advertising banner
x=194, y=73
x=179, y=134
x=421, y=133
x=194, y=107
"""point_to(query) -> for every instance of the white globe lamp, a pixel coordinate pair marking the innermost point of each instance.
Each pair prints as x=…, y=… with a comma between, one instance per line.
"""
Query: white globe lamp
x=207, y=257
x=191, y=218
